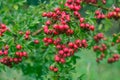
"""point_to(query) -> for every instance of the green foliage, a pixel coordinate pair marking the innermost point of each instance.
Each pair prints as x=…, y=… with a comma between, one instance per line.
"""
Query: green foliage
x=23, y=15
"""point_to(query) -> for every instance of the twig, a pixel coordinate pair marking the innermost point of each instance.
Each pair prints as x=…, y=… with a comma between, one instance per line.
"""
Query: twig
x=96, y=5
x=37, y=32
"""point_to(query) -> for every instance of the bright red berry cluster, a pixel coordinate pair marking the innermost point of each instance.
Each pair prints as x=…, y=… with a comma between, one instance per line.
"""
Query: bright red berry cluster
x=74, y=4
x=100, y=48
x=114, y=14
x=36, y=41
x=114, y=58
x=99, y=15
x=87, y=26
x=8, y=60
x=53, y=68
x=98, y=37
x=3, y=28
x=27, y=35
x=58, y=24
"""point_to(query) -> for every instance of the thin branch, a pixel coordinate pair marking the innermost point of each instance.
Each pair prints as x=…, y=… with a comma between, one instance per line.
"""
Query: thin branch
x=37, y=32
x=96, y=5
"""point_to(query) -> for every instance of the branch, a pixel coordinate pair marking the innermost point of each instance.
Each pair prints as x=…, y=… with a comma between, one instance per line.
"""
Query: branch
x=37, y=32
x=96, y=5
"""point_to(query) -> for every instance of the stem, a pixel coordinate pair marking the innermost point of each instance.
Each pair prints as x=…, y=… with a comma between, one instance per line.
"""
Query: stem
x=37, y=32
x=96, y=5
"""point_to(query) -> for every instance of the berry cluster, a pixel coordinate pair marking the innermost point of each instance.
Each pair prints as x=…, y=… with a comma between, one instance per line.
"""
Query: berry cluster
x=3, y=28
x=99, y=15
x=114, y=14
x=48, y=41
x=68, y=50
x=9, y=60
x=101, y=48
x=27, y=35
x=60, y=28
x=74, y=4
x=58, y=24
x=114, y=58
x=87, y=26
x=98, y=37
x=53, y=68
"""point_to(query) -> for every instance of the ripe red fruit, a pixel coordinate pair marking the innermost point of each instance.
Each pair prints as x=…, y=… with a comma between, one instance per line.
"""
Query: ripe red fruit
x=26, y=37
x=97, y=12
x=78, y=42
x=84, y=41
x=57, y=58
x=36, y=41
x=44, y=14
x=1, y=52
x=24, y=54
x=3, y=26
x=104, y=1
x=82, y=25
x=20, y=54
x=27, y=32
x=15, y=60
x=19, y=47
x=92, y=28
x=95, y=48
x=17, y=53
x=61, y=52
x=81, y=20
x=6, y=47
x=51, y=68
x=55, y=69
x=6, y=52
x=66, y=50
x=70, y=44
x=62, y=60
x=48, y=22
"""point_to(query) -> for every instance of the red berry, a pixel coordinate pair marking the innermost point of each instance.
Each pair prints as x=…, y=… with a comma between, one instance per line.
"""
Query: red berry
x=19, y=47
x=51, y=68
x=27, y=32
x=24, y=54
x=57, y=58
x=36, y=41
x=6, y=52
x=92, y=28
x=55, y=69
x=6, y=47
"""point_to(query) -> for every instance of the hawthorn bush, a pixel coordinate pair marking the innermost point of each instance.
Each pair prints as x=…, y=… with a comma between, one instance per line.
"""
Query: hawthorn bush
x=58, y=40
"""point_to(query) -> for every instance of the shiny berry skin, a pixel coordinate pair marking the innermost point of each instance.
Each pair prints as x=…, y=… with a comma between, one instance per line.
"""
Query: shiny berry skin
x=36, y=41
x=27, y=32
x=51, y=68
x=55, y=69
x=19, y=47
